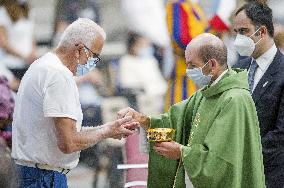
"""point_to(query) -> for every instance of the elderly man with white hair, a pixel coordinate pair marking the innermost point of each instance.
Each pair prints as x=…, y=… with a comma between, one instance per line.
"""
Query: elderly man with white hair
x=47, y=133
x=217, y=140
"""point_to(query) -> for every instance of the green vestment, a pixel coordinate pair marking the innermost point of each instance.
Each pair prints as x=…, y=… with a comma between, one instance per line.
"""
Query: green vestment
x=218, y=127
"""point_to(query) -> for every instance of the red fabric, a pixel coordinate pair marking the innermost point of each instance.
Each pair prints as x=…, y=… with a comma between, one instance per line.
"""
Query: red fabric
x=134, y=156
x=217, y=24
x=184, y=37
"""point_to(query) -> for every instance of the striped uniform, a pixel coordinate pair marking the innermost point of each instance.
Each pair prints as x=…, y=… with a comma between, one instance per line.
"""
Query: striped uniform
x=185, y=21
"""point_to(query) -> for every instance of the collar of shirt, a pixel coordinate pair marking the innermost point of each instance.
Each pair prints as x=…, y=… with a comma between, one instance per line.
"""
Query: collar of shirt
x=219, y=77
x=61, y=63
x=266, y=59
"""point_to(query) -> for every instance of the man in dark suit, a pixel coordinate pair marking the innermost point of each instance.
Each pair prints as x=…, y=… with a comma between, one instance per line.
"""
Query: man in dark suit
x=254, y=27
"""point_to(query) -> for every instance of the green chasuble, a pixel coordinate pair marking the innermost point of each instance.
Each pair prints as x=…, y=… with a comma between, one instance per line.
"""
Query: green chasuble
x=219, y=131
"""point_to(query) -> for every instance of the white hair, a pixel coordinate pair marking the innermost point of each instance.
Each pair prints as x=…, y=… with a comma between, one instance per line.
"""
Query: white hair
x=83, y=30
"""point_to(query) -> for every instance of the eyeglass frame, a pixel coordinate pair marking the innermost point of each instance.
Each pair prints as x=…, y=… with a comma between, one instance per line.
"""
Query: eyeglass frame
x=95, y=55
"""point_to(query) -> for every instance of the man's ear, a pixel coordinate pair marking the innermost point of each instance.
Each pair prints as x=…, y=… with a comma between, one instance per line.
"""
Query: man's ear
x=77, y=53
x=262, y=31
x=213, y=62
x=79, y=48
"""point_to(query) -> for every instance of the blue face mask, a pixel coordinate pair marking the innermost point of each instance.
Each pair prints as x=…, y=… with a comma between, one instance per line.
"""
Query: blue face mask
x=146, y=52
x=90, y=65
x=84, y=69
x=197, y=76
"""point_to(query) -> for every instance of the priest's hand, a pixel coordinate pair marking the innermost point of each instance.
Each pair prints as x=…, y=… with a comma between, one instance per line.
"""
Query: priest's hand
x=168, y=149
x=139, y=117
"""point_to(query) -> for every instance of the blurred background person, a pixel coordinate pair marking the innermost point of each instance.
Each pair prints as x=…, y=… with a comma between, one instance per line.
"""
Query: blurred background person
x=7, y=172
x=139, y=79
x=279, y=37
x=68, y=11
x=17, y=45
x=12, y=80
x=8, y=177
x=185, y=20
x=6, y=111
x=141, y=16
x=138, y=71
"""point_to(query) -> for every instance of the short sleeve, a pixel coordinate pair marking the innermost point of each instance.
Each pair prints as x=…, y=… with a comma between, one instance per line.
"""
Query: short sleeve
x=61, y=98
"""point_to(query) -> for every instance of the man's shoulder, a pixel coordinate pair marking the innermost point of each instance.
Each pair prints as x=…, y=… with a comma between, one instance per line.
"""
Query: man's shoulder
x=277, y=66
x=238, y=96
x=49, y=59
x=279, y=57
x=51, y=64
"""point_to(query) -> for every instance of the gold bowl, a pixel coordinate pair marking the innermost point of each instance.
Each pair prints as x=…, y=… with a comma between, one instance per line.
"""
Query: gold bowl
x=160, y=134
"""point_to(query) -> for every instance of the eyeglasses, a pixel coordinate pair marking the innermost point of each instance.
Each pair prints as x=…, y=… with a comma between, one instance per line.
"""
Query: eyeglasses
x=94, y=55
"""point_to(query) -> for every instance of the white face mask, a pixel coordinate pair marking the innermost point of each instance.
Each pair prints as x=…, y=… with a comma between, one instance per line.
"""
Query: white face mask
x=197, y=76
x=245, y=45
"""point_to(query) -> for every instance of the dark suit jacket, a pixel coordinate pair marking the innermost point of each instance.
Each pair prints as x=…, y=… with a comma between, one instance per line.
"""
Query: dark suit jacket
x=269, y=100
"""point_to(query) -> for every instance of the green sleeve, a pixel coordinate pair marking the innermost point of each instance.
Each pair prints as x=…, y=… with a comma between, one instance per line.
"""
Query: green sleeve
x=231, y=153
x=175, y=118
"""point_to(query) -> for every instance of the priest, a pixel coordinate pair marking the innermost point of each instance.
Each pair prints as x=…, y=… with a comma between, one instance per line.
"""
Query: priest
x=217, y=139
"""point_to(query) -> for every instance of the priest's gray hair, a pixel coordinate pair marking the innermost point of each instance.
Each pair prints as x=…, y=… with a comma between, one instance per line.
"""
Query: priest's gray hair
x=83, y=30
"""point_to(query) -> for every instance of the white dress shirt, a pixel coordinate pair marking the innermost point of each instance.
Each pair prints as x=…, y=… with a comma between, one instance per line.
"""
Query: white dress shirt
x=263, y=63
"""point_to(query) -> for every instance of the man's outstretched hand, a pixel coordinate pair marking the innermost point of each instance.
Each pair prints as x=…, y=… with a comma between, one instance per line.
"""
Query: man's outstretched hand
x=138, y=117
x=121, y=127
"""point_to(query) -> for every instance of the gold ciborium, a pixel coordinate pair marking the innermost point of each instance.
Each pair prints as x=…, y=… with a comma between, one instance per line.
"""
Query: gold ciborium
x=160, y=134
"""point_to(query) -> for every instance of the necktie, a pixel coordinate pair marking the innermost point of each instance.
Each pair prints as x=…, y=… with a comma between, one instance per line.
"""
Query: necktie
x=251, y=74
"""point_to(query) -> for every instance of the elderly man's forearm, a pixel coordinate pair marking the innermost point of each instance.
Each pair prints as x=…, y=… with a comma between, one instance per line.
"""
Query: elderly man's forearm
x=82, y=140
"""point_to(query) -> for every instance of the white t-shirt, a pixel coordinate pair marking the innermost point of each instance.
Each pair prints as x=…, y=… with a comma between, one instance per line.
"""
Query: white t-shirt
x=47, y=90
